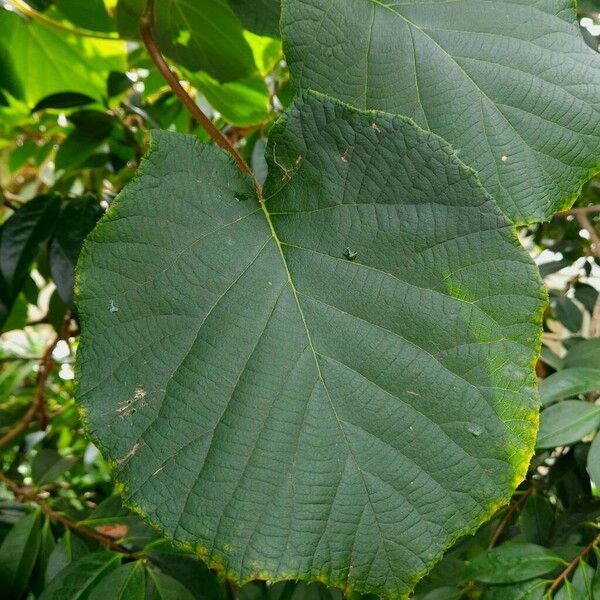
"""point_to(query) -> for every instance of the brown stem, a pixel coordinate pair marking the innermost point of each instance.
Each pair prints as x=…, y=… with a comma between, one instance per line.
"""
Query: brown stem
x=573, y=564
x=38, y=406
x=146, y=24
x=26, y=496
x=512, y=509
x=23, y=7
x=593, y=208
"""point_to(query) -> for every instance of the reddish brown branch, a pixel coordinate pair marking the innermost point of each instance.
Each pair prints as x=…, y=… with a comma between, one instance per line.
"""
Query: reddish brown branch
x=574, y=563
x=146, y=24
x=38, y=406
x=24, y=495
x=512, y=509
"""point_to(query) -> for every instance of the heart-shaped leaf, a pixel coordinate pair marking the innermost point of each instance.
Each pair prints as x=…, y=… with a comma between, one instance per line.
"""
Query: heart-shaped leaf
x=333, y=383
x=510, y=84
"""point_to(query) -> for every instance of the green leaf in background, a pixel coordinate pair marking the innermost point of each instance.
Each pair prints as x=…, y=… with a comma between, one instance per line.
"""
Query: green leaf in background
x=567, y=422
x=587, y=295
x=584, y=354
x=76, y=581
x=569, y=383
x=491, y=78
x=47, y=546
x=21, y=238
x=126, y=582
x=536, y=519
x=568, y=313
x=314, y=325
x=49, y=465
x=200, y=35
x=92, y=128
x=69, y=549
x=259, y=16
x=164, y=587
x=242, y=103
x=526, y=590
x=76, y=220
x=511, y=563
x=53, y=61
x=593, y=461
x=63, y=100
x=18, y=554
x=90, y=14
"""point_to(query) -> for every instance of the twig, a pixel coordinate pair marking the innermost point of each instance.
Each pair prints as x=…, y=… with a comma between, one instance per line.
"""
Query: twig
x=23, y=7
x=512, y=509
x=595, y=323
x=38, y=406
x=592, y=208
x=230, y=588
x=146, y=24
x=23, y=495
x=573, y=564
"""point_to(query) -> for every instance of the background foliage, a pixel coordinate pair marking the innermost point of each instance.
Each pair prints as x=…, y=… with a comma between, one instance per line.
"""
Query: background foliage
x=75, y=111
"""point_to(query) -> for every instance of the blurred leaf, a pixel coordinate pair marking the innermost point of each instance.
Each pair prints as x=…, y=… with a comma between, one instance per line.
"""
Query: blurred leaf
x=511, y=563
x=568, y=383
x=92, y=128
x=242, y=103
x=55, y=61
x=587, y=295
x=164, y=587
x=21, y=154
x=90, y=14
x=76, y=581
x=527, y=590
x=76, y=220
x=584, y=354
x=21, y=239
x=117, y=83
x=536, y=519
x=47, y=546
x=259, y=16
x=593, y=461
x=551, y=359
x=63, y=100
x=70, y=548
x=48, y=466
x=568, y=313
x=127, y=582
x=183, y=32
x=189, y=570
x=18, y=554
x=567, y=422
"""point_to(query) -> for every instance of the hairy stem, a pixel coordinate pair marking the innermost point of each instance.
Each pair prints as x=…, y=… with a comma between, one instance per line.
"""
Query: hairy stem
x=146, y=24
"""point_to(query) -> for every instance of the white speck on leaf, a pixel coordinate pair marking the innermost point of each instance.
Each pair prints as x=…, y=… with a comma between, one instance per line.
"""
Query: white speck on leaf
x=112, y=306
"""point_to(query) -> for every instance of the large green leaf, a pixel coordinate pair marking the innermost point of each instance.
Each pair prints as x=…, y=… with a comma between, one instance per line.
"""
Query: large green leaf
x=510, y=84
x=50, y=61
x=334, y=384
x=200, y=35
